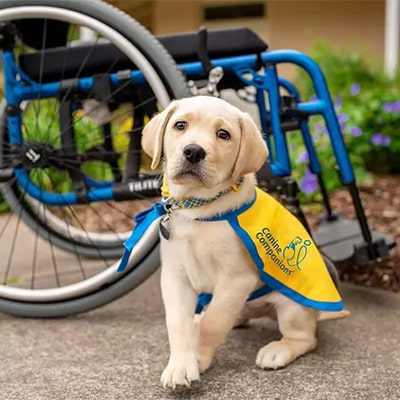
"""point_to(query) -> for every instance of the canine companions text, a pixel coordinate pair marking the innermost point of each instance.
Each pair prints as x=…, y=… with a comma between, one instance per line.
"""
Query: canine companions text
x=210, y=151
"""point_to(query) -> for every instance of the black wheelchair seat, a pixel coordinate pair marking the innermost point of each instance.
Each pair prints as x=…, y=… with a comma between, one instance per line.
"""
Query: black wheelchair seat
x=82, y=60
x=221, y=43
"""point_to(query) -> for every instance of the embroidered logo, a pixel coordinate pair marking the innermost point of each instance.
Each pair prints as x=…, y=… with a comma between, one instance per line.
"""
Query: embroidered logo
x=296, y=252
x=288, y=258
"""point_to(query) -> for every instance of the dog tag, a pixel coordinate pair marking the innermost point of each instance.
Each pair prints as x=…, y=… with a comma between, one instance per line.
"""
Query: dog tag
x=164, y=223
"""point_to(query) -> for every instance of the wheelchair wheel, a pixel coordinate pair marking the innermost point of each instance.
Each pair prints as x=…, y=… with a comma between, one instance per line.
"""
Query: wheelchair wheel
x=65, y=262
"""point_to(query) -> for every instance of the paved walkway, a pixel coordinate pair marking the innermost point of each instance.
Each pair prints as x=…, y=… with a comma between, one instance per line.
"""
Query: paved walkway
x=119, y=351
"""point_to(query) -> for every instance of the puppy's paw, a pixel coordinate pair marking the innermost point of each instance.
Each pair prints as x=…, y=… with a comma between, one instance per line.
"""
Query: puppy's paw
x=180, y=374
x=274, y=355
x=205, y=360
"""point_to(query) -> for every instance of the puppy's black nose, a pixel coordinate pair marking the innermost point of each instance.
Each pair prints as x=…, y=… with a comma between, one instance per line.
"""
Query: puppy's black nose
x=194, y=153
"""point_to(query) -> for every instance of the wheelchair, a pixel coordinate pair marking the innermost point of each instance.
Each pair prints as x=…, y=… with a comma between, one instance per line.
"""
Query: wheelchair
x=71, y=166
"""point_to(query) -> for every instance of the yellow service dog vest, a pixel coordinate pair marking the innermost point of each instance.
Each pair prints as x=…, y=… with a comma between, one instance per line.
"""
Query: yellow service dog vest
x=286, y=257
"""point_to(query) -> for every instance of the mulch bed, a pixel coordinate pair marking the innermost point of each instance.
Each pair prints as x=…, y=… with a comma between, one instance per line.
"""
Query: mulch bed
x=381, y=201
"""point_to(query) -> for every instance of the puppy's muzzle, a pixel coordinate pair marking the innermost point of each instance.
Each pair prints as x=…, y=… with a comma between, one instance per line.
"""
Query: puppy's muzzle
x=194, y=153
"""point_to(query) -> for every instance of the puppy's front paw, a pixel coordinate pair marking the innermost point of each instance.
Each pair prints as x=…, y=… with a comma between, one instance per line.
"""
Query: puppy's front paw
x=274, y=355
x=180, y=373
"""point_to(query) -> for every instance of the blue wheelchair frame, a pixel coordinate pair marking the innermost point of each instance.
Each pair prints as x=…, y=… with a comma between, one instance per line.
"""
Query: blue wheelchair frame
x=18, y=90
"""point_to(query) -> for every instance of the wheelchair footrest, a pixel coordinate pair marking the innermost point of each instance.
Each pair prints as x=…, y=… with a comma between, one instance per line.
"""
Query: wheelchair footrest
x=342, y=241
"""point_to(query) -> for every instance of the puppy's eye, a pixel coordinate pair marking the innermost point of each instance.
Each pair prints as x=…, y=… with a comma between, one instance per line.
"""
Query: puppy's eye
x=180, y=125
x=223, y=134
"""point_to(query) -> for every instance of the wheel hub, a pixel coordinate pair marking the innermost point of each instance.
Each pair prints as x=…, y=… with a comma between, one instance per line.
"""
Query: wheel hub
x=36, y=155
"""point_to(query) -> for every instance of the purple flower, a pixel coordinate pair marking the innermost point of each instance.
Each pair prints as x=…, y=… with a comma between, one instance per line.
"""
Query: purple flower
x=342, y=118
x=388, y=107
x=377, y=139
x=316, y=137
x=318, y=127
x=309, y=183
x=303, y=158
x=355, y=131
x=355, y=89
x=338, y=102
x=391, y=107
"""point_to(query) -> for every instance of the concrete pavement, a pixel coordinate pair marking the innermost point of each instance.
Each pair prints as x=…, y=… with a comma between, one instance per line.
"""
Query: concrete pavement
x=119, y=351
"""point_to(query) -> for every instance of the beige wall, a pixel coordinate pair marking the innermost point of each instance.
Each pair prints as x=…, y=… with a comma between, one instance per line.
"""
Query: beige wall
x=259, y=25
x=351, y=24
x=170, y=16
x=141, y=10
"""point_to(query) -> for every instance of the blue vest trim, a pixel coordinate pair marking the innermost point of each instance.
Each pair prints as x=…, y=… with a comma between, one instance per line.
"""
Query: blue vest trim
x=143, y=221
x=260, y=292
x=232, y=213
x=297, y=297
x=246, y=239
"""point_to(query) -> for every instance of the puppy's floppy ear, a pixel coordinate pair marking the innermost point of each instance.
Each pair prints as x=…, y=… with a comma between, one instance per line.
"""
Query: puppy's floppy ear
x=252, y=148
x=153, y=134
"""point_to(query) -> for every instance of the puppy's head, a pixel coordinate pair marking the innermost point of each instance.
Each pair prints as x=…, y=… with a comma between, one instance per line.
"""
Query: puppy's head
x=204, y=141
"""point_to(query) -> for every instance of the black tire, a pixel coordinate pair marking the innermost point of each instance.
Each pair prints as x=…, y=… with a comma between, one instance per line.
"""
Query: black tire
x=89, y=302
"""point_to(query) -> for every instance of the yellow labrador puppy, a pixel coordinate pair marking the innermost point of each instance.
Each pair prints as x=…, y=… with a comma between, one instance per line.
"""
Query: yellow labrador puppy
x=206, y=146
